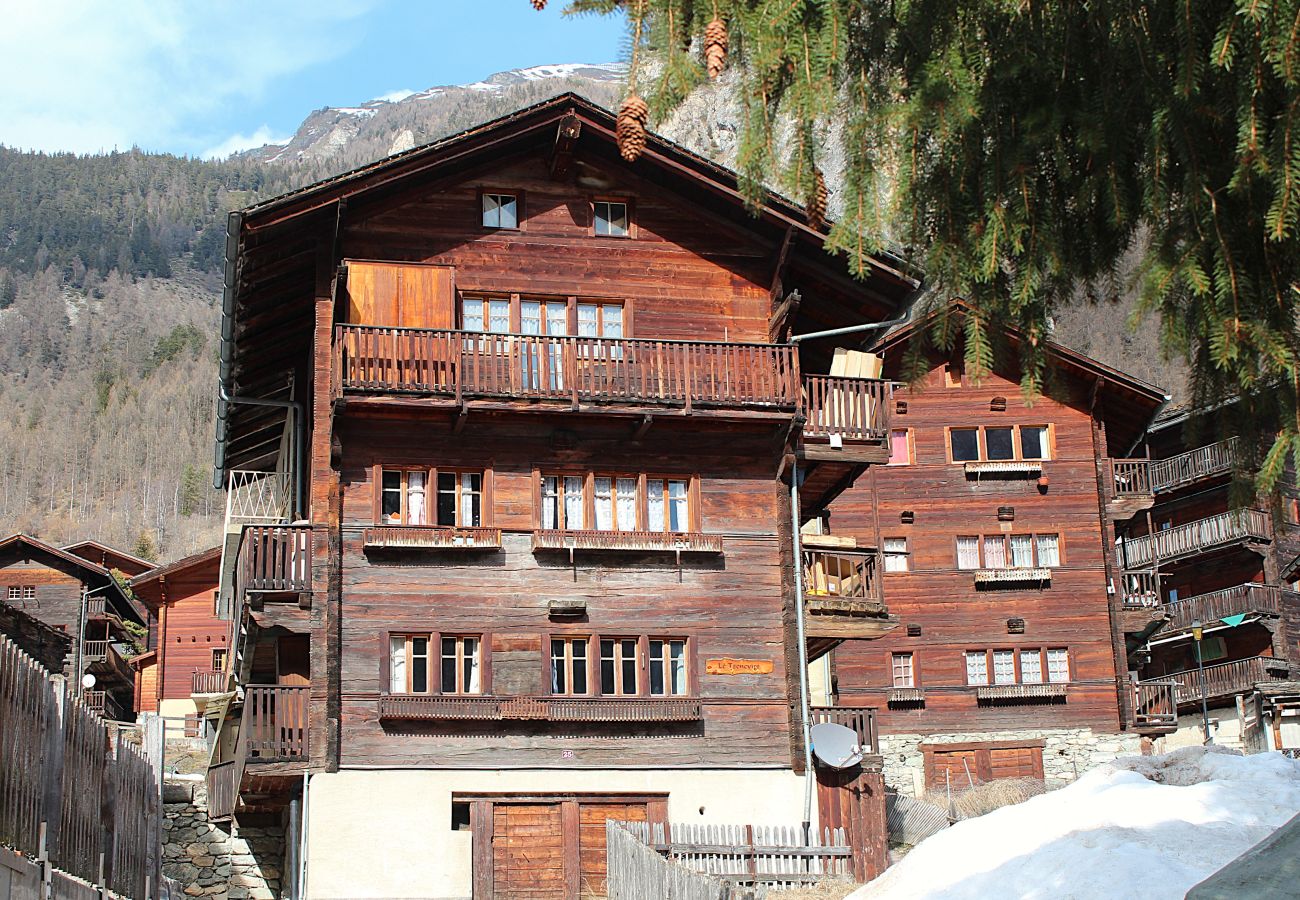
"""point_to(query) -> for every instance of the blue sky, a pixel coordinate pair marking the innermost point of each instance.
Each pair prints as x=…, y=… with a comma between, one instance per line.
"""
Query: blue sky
x=212, y=76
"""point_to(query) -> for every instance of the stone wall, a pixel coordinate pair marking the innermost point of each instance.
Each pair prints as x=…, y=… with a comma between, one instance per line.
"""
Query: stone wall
x=223, y=862
x=1067, y=753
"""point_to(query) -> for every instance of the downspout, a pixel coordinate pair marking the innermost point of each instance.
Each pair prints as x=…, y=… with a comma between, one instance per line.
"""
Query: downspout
x=804, y=709
x=302, y=838
x=1147, y=430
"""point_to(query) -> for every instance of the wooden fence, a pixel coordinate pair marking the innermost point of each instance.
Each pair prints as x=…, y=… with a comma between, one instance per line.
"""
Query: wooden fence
x=754, y=855
x=637, y=872
x=73, y=791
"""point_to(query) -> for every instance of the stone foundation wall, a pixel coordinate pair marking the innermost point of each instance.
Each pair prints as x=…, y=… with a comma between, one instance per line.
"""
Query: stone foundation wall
x=217, y=861
x=1067, y=753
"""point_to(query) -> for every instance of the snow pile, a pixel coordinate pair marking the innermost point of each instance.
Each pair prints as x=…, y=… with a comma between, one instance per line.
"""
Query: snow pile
x=1147, y=827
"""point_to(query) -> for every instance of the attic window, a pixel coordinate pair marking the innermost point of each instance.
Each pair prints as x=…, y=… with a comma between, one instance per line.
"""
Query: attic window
x=611, y=218
x=500, y=211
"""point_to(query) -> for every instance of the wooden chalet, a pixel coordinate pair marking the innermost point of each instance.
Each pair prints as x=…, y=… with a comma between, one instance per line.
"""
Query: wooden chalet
x=507, y=427
x=82, y=599
x=186, y=665
x=991, y=517
x=110, y=558
x=1209, y=576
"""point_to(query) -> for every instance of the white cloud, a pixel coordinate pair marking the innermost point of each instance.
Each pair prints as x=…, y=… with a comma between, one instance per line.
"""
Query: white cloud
x=90, y=76
x=394, y=96
x=237, y=142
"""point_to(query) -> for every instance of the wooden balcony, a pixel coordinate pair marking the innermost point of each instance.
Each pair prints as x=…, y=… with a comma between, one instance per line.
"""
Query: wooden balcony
x=102, y=704
x=436, y=707
x=274, y=723
x=1128, y=487
x=431, y=537
x=842, y=582
x=275, y=559
x=573, y=370
x=1210, y=461
x=1155, y=709
x=1226, y=680
x=852, y=410
x=92, y=651
x=1240, y=526
x=204, y=683
x=861, y=719
x=1244, y=599
x=1140, y=589
x=627, y=541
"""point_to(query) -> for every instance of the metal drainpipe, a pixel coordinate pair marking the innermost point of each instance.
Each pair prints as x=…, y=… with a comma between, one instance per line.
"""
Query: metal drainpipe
x=296, y=409
x=804, y=709
x=302, y=838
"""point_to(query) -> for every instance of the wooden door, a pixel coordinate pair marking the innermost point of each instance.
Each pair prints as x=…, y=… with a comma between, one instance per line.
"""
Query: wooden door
x=1016, y=762
x=293, y=659
x=527, y=852
x=959, y=769
x=592, y=861
x=854, y=799
x=401, y=295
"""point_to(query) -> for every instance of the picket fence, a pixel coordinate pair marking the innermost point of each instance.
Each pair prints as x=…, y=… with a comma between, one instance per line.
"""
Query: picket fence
x=73, y=791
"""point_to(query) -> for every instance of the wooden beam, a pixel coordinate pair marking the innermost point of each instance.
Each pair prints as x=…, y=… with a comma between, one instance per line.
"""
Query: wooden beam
x=642, y=427
x=778, y=268
x=566, y=139
x=779, y=325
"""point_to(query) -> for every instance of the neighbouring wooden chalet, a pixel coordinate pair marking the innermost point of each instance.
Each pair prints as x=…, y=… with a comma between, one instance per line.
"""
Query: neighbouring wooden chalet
x=1207, y=574
x=186, y=663
x=110, y=558
x=85, y=601
x=991, y=519
x=507, y=426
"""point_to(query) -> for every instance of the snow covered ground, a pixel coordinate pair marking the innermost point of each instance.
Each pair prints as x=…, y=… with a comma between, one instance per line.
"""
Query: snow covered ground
x=1148, y=827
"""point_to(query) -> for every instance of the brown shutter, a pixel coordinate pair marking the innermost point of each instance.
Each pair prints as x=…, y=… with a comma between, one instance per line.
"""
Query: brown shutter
x=401, y=295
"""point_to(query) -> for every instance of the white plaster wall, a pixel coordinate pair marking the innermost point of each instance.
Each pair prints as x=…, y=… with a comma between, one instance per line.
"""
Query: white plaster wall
x=176, y=709
x=1225, y=729
x=387, y=833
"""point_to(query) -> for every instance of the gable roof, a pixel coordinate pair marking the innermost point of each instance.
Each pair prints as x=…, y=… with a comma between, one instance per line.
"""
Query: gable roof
x=1135, y=403
x=109, y=558
x=148, y=586
x=272, y=261
x=93, y=573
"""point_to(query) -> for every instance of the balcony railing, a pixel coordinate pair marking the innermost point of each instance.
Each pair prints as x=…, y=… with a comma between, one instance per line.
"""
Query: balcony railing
x=435, y=707
x=209, y=682
x=1154, y=704
x=1140, y=589
x=1227, y=679
x=93, y=650
x=843, y=576
x=861, y=719
x=573, y=369
x=1240, y=600
x=1195, y=465
x=257, y=497
x=855, y=409
x=102, y=704
x=274, y=725
x=275, y=559
x=432, y=537
x=1130, y=478
x=627, y=541
x=1198, y=537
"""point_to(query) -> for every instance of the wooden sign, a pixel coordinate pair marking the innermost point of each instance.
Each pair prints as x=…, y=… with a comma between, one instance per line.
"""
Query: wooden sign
x=738, y=666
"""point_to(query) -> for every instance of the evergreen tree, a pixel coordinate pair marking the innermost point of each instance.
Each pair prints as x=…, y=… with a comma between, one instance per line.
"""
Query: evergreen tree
x=1023, y=148
x=193, y=489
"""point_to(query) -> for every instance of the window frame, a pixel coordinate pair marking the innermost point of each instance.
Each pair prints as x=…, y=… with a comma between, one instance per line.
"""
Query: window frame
x=518, y=196
x=640, y=667
x=913, y=671
x=459, y=668
x=1018, y=653
x=435, y=660
x=548, y=663
x=589, y=476
x=911, y=448
x=514, y=313
x=224, y=653
x=1005, y=537
x=905, y=554
x=629, y=208
x=688, y=681
x=1017, y=442
x=486, y=495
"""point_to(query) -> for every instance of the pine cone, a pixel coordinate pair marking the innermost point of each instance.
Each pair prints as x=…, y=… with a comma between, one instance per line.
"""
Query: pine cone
x=715, y=47
x=632, y=116
x=816, y=209
x=539, y=5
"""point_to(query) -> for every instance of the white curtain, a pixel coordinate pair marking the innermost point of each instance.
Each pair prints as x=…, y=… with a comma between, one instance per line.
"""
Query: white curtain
x=604, y=504
x=1031, y=667
x=397, y=664
x=977, y=669
x=678, y=651
x=995, y=552
x=677, y=498
x=468, y=494
x=1022, y=551
x=473, y=684
x=550, y=500
x=1049, y=550
x=626, y=488
x=573, y=518
x=968, y=552
x=415, y=498
x=1004, y=667
x=1058, y=665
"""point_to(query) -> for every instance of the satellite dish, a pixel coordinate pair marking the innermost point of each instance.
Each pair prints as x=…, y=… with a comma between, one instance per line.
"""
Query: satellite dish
x=836, y=746
x=88, y=681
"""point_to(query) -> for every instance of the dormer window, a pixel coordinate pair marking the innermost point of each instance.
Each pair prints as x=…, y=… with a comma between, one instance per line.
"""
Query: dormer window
x=611, y=218
x=500, y=211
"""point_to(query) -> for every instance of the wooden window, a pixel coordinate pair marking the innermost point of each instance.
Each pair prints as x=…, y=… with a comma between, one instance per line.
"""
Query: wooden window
x=669, y=675
x=1034, y=442
x=896, y=555
x=500, y=211
x=462, y=664
x=610, y=218
x=900, y=447
x=999, y=443
x=968, y=551
x=620, y=663
x=603, y=320
x=995, y=551
x=1213, y=648
x=1291, y=507
x=964, y=444
x=903, y=671
x=569, y=666
x=1004, y=667
x=977, y=667
x=460, y=499
x=219, y=659
x=1058, y=664
x=611, y=502
x=1031, y=667
x=1048, y=549
x=403, y=497
x=667, y=505
x=1025, y=665
x=1021, y=548
x=615, y=503
x=1014, y=551
x=409, y=669
x=485, y=314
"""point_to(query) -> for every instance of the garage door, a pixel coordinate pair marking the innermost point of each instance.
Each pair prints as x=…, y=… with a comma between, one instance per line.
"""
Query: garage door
x=593, y=863
x=527, y=852
x=962, y=765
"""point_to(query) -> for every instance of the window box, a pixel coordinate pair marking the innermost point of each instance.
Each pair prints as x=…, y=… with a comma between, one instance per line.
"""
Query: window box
x=600, y=709
x=1004, y=467
x=434, y=707
x=906, y=695
x=627, y=541
x=1008, y=576
x=1020, y=693
x=432, y=537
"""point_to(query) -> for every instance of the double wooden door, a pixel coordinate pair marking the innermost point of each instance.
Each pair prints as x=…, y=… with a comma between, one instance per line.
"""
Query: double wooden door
x=548, y=848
